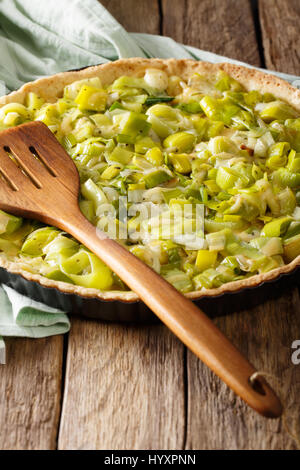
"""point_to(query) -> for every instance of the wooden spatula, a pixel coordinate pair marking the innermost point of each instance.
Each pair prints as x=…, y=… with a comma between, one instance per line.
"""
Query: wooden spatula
x=39, y=180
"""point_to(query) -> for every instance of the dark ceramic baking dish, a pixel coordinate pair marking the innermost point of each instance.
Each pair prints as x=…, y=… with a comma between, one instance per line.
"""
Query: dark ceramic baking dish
x=138, y=312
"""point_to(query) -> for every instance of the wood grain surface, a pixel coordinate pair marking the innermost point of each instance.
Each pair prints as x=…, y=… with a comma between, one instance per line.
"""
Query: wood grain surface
x=30, y=391
x=216, y=418
x=137, y=387
x=124, y=388
x=225, y=27
x=137, y=16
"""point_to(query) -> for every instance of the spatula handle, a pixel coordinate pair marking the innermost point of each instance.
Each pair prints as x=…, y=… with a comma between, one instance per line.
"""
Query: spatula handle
x=189, y=323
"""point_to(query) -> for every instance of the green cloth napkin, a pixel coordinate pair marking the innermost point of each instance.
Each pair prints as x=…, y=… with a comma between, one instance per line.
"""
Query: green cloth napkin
x=40, y=38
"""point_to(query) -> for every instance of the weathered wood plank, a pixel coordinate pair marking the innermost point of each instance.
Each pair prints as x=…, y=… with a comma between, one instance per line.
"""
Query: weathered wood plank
x=217, y=419
x=140, y=16
x=30, y=390
x=279, y=21
x=124, y=388
x=225, y=27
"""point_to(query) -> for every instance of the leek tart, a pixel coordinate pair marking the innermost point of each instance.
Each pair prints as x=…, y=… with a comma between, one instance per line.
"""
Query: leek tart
x=167, y=133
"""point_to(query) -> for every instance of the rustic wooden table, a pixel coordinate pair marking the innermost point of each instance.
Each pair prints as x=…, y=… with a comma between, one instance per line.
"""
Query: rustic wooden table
x=108, y=386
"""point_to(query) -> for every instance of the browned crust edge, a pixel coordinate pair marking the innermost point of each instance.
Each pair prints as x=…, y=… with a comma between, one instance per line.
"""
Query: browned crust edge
x=51, y=88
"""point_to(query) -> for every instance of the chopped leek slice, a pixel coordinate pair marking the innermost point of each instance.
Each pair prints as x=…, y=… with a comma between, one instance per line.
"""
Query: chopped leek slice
x=226, y=178
x=268, y=246
x=143, y=144
x=133, y=124
x=9, y=223
x=33, y=102
x=181, y=162
x=156, y=178
x=37, y=240
x=155, y=156
x=179, y=279
x=277, y=227
x=91, y=98
x=85, y=269
x=291, y=248
x=120, y=155
x=110, y=172
x=93, y=193
x=206, y=259
x=180, y=142
x=277, y=110
x=72, y=90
